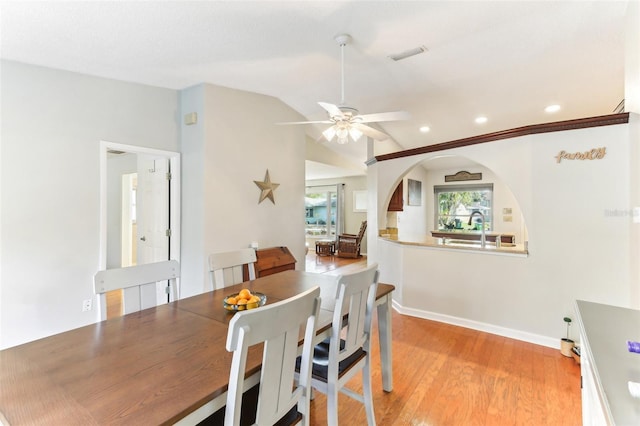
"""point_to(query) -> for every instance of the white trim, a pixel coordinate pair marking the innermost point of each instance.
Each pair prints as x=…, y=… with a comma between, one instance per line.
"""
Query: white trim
x=536, y=339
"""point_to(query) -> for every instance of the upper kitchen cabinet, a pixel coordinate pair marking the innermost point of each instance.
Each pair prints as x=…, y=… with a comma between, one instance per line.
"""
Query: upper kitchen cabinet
x=396, y=202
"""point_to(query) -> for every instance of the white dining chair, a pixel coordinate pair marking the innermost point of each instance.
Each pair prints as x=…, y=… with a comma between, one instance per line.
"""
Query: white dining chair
x=278, y=325
x=346, y=352
x=139, y=285
x=226, y=268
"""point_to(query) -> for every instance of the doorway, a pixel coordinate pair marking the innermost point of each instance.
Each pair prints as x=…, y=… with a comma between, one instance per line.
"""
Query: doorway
x=324, y=213
x=140, y=211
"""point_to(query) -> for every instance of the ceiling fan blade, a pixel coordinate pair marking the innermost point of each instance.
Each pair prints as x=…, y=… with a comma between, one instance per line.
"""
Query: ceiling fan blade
x=306, y=122
x=370, y=131
x=384, y=116
x=331, y=109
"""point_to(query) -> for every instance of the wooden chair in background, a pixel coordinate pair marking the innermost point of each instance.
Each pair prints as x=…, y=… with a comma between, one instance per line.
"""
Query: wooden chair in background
x=225, y=268
x=349, y=244
x=139, y=285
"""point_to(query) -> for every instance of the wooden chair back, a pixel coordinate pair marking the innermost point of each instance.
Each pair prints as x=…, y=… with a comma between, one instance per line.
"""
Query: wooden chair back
x=363, y=228
x=139, y=284
x=225, y=268
x=349, y=244
x=356, y=299
x=346, y=353
x=278, y=326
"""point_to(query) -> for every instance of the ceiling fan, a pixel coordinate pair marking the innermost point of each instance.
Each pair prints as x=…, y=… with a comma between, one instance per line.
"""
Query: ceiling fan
x=345, y=121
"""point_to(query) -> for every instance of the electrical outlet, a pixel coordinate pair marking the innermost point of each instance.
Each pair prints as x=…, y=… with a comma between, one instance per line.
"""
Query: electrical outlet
x=86, y=305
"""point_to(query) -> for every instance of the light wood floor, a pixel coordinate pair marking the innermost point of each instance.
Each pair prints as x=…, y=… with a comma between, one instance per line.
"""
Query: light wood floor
x=447, y=375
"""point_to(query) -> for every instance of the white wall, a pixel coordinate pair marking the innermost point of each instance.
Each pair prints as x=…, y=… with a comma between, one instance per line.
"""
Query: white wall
x=578, y=249
x=413, y=219
x=52, y=124
x=234, y=143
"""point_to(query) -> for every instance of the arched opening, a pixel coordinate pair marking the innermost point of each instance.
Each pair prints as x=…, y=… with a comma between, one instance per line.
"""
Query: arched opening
x=441, y=194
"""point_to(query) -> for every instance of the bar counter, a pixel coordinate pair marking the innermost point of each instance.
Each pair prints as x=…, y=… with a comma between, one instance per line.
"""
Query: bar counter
x=453, y=244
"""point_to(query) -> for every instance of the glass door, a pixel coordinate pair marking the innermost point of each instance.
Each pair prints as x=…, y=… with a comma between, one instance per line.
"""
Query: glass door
x=323, y=217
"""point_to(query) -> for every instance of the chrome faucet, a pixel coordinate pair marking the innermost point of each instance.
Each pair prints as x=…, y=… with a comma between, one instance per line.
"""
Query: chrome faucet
x=483, y=237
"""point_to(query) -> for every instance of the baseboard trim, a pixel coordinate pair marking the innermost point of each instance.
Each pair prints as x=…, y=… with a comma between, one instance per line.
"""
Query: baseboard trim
x=536, y=339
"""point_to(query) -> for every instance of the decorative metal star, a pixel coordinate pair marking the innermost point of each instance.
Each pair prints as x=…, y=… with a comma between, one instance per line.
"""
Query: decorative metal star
x=267, y=187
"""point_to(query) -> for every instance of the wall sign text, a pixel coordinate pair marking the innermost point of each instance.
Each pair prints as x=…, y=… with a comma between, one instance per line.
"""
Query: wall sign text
x=594, y=154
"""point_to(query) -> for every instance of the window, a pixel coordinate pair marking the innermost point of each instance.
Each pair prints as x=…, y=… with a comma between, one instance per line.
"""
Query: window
x=454, y=204
x=323, y=210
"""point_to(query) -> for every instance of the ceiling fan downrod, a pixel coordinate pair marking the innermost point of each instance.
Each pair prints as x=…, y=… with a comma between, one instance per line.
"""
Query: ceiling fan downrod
x=343, y=40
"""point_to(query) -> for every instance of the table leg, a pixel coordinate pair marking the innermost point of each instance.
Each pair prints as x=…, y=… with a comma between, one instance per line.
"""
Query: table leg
x=384, y=335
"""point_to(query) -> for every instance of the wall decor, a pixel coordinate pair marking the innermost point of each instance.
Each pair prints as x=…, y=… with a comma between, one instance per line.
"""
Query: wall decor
x=359, y=201
x=266, y=187
x=594, y=154
x=414, y=192
x=462, y=176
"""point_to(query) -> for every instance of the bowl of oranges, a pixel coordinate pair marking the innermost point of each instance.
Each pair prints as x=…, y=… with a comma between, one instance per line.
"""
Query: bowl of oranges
x=244, y=300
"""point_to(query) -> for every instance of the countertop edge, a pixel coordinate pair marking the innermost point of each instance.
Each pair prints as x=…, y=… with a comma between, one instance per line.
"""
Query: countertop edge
x=426, y=243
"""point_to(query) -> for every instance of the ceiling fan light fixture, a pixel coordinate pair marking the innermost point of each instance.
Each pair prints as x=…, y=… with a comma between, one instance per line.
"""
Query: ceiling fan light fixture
x=343, y=132
x=345, y=122
x=329, y=134
x=355, y=134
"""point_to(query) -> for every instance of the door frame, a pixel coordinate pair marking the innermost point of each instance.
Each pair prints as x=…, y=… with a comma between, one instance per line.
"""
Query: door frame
x=174, y=202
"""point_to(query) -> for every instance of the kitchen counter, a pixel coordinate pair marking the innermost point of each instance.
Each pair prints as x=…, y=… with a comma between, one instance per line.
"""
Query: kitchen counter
x=607, y=366
x=473, y=235
x=458, y=245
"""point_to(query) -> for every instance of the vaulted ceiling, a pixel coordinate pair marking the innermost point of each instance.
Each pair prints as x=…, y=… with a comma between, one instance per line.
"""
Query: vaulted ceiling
x=503, y=60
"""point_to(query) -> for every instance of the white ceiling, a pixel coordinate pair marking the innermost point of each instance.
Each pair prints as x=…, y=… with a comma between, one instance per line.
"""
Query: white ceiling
x=505, y=60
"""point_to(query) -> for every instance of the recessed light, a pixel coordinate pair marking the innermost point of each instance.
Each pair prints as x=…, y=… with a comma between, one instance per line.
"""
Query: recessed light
x=481, y=120
x=424, y=129
x=552, y=108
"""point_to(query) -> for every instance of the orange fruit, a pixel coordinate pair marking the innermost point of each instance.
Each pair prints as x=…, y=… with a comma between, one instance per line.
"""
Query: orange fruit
x=232, y=300
x=254, y=299
x=244, y=294
x=241, y=302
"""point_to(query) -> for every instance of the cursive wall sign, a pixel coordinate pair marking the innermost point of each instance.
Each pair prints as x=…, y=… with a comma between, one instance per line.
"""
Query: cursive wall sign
x=594, y=154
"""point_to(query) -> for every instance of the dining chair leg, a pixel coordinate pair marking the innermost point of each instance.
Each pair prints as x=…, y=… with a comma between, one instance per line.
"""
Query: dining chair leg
x=332, y=405
x=368, y=393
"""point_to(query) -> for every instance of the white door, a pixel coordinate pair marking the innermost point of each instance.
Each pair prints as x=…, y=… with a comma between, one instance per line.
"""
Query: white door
x=152, y=213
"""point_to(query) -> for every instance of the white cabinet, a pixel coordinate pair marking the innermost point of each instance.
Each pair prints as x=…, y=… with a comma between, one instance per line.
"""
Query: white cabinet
x=593, y=407
x=606, y=364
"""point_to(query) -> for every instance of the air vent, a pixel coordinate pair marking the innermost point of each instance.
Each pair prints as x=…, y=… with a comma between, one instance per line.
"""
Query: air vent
x=408, y=53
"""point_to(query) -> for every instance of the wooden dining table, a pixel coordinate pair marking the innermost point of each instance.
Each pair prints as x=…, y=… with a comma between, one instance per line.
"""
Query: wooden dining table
x=163, y=365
